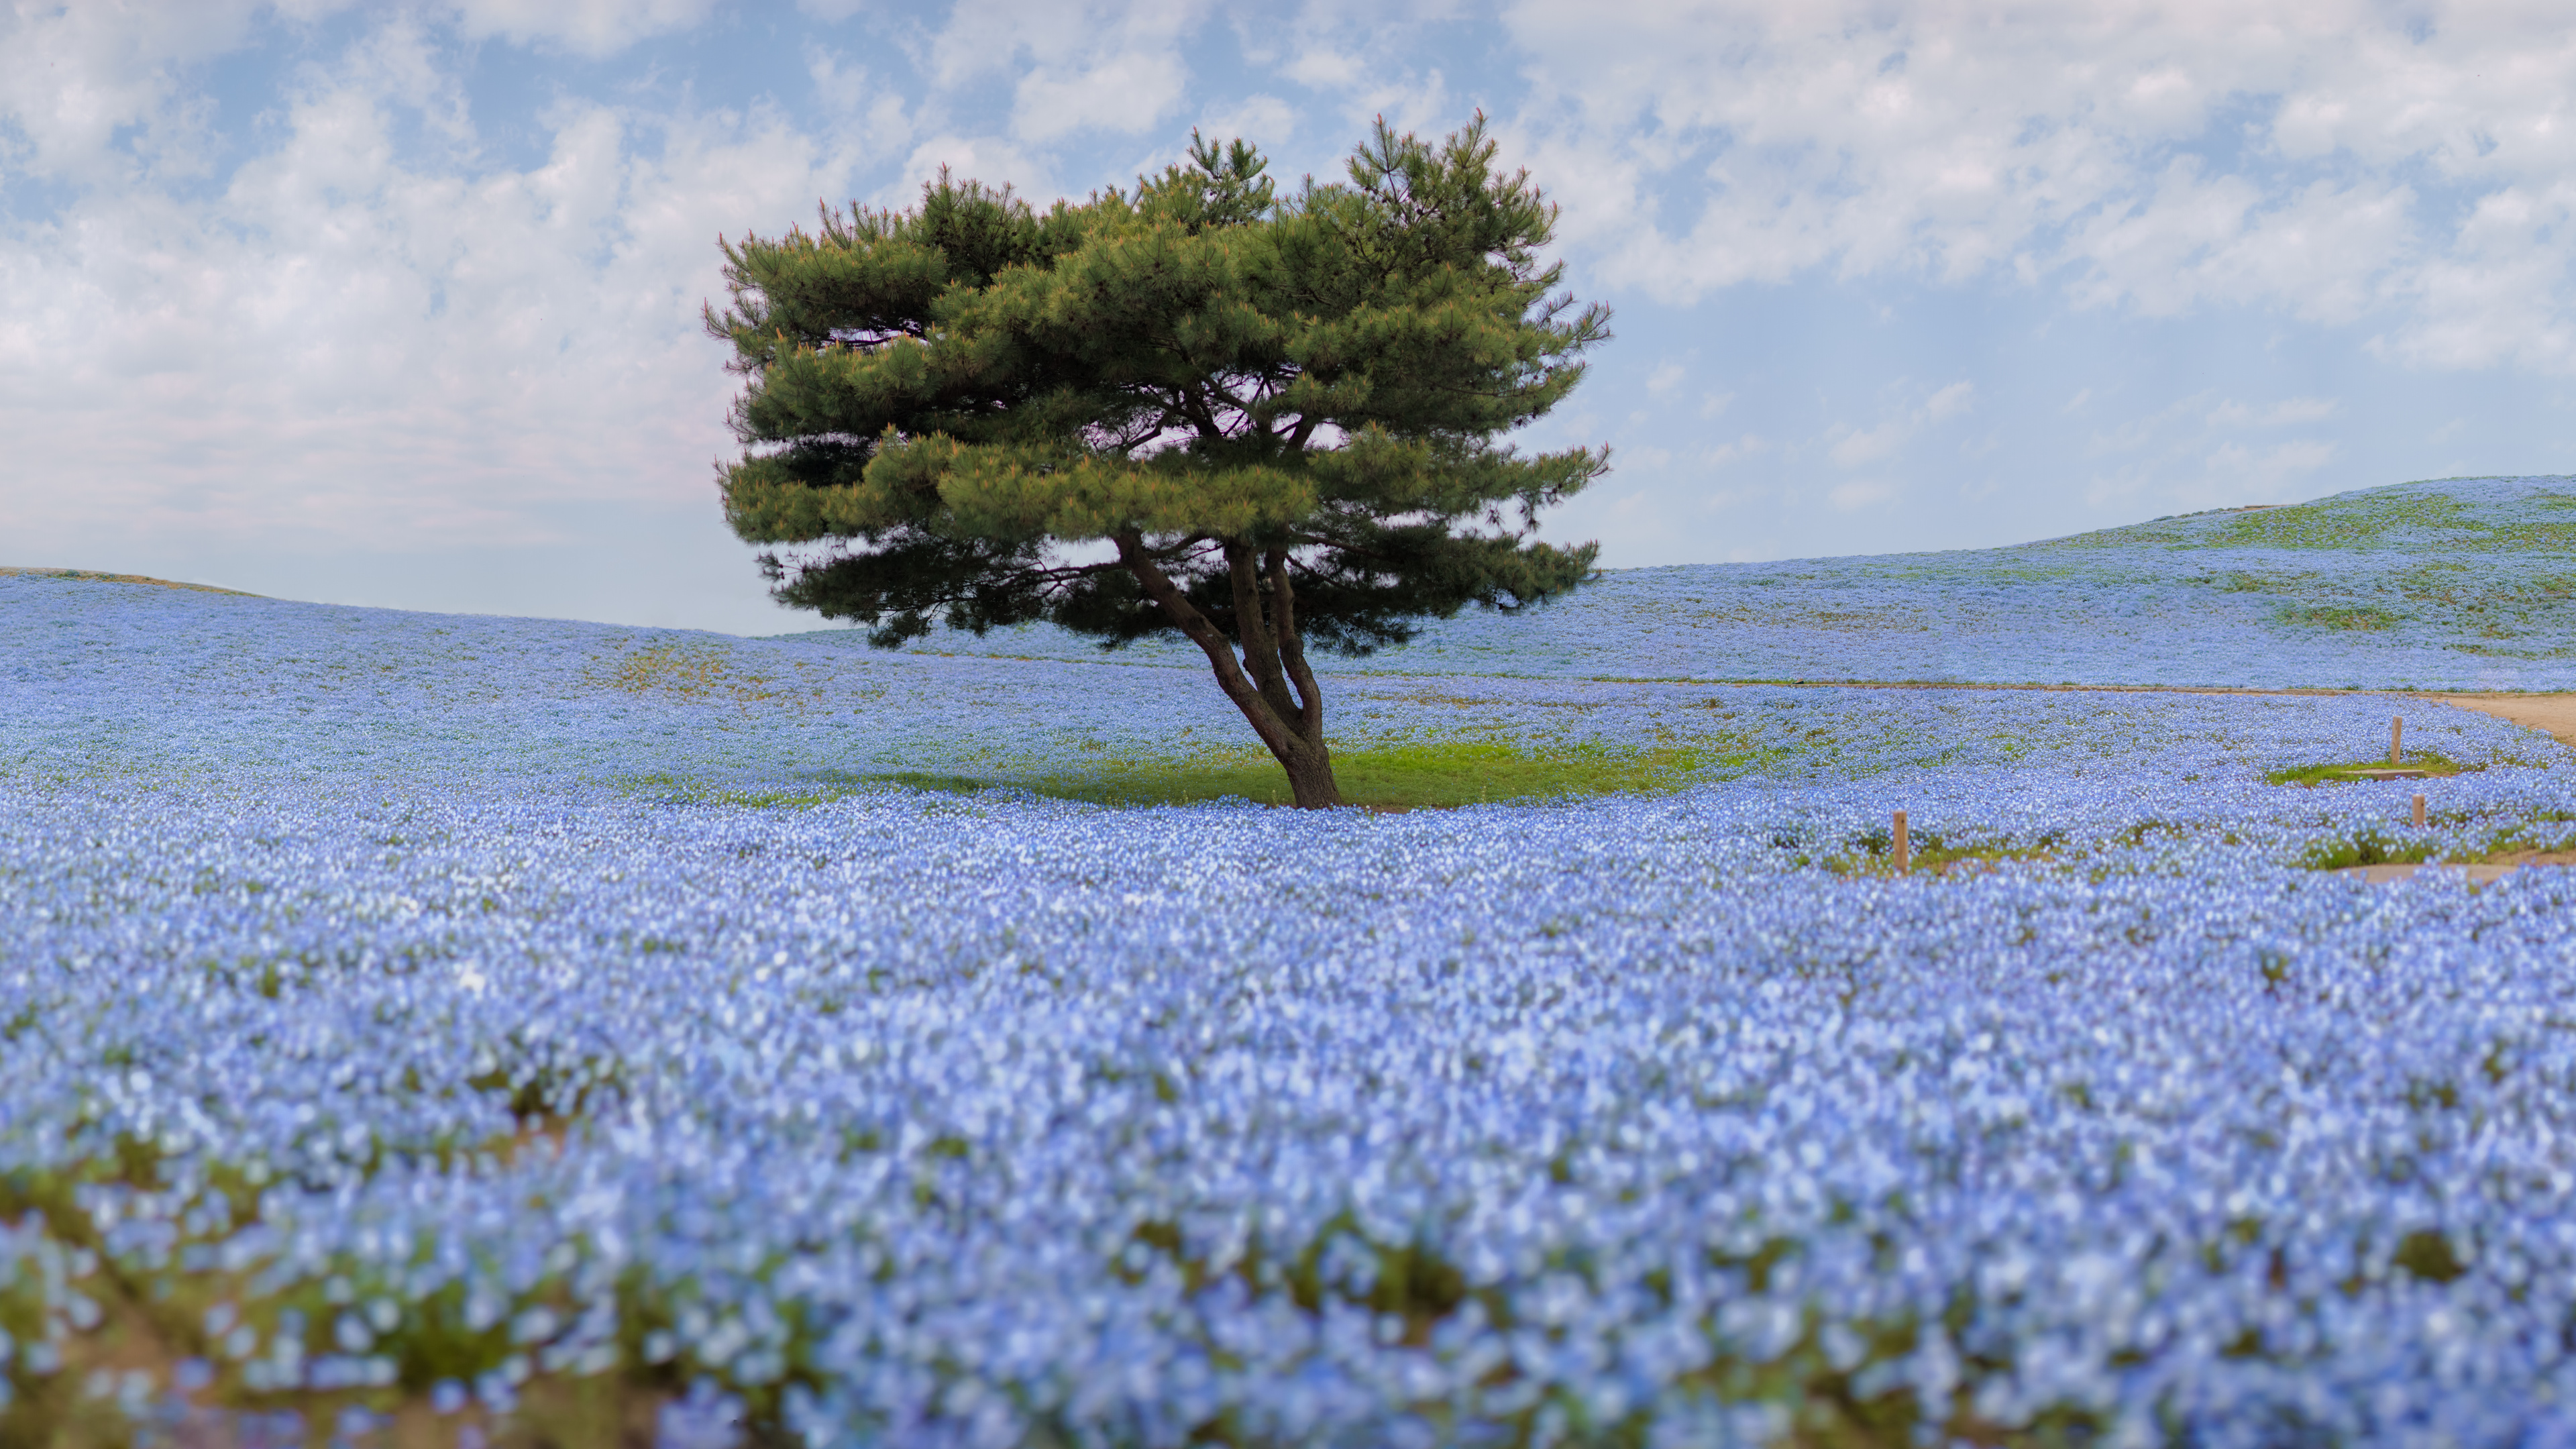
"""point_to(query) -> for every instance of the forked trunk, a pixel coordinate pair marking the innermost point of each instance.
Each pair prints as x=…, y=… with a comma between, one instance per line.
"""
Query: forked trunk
x=1270, y=683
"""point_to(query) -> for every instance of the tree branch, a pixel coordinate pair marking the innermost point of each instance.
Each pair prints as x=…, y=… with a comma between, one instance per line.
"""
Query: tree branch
x=1200, y=415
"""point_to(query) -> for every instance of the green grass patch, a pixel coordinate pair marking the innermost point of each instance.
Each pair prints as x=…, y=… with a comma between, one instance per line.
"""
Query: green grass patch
x=2371, y=847
x=2546, y=837
x=1874, y=853
x=2340, y=616
x=2436, y=765
x=2375, y=519
x=93, y=576
x=1414, y=776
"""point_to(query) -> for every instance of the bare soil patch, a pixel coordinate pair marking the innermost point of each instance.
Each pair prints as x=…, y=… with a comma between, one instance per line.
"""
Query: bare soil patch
x=2554, y=714
x=2476, y=872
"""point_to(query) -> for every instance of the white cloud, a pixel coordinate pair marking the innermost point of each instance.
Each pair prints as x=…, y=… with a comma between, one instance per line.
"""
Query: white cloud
x=856, y=99
x=1126, y=92
x=2187, y=454
x=1264, y=120
x=1087, y=65
x=343, y=350
x=1367, y=58
x=1850, y=446
x=2236, y=471
x=2500, y=295
x=1324, y=68
x=1728, y=500
x=1852, y=497
x=2139, y=432
x=1747, y=446
x=584, y=27
x=1853, y=447
x=2326, y=253
x=73, y=77
x=2289, y=412
x=355, y=321
x=993, y=160
x=2306, y=155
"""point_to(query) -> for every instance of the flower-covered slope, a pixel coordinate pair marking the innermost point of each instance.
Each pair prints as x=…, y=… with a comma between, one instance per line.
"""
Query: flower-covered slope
x=2465, y=584
x=405, y=1011
x=104, y=677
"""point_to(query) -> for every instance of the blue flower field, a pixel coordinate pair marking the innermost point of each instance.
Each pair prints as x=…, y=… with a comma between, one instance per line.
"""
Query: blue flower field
x=447, y=1030
x=2465, y=584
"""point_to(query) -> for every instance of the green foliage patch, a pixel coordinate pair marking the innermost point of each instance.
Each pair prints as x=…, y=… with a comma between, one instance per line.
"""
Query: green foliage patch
x=2432, y=763
x=94, y=576
x=1875, y=854
x=2340, y=616
x=1281, y=414
x=2370, y=847
x=1428, y=774
x=2362, y=521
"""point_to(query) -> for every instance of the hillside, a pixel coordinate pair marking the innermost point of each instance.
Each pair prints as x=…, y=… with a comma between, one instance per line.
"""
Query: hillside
x=2466, y=584
x=523, y=1026
x=515, y=1025
x=108, y=678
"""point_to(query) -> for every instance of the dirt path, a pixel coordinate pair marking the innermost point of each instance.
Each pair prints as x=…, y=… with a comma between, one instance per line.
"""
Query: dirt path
x=2552, y=713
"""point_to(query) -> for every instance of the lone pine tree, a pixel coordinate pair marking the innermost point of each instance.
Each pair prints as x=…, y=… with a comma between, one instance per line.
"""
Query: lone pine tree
x=1269, y=422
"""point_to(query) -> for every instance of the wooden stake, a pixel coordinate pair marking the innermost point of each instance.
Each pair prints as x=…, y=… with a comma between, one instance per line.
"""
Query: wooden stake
x=2396, y=738
x=1904, y=849
x=2419, y=812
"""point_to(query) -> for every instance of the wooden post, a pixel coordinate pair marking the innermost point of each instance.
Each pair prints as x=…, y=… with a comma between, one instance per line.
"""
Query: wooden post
x=2396, y=738
x=1904, y=848
x=2419, y=812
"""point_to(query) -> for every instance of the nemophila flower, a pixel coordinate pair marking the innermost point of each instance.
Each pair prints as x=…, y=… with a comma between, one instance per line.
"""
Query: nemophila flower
x=373, y=982
x=2457, y=584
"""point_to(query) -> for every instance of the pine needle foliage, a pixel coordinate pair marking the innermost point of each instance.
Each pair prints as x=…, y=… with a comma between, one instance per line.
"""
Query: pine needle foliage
x=1272, y=422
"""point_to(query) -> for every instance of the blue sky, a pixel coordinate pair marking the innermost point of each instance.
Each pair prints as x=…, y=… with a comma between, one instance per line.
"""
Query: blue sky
x=398, y=304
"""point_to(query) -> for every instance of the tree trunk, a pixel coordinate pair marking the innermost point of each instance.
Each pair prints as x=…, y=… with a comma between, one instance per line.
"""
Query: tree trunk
x=1310, y=778
x=1290, y=724
x=1310, y=775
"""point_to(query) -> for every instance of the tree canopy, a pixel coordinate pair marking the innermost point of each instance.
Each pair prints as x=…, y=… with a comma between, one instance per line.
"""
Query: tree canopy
x=1266, y=421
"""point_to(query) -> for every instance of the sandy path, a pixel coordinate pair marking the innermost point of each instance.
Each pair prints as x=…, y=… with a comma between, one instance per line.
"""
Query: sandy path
x=2552, y=713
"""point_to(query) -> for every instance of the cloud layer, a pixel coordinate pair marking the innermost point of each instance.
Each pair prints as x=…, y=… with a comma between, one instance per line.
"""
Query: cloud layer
x=315, y=280
x=2412, y=167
